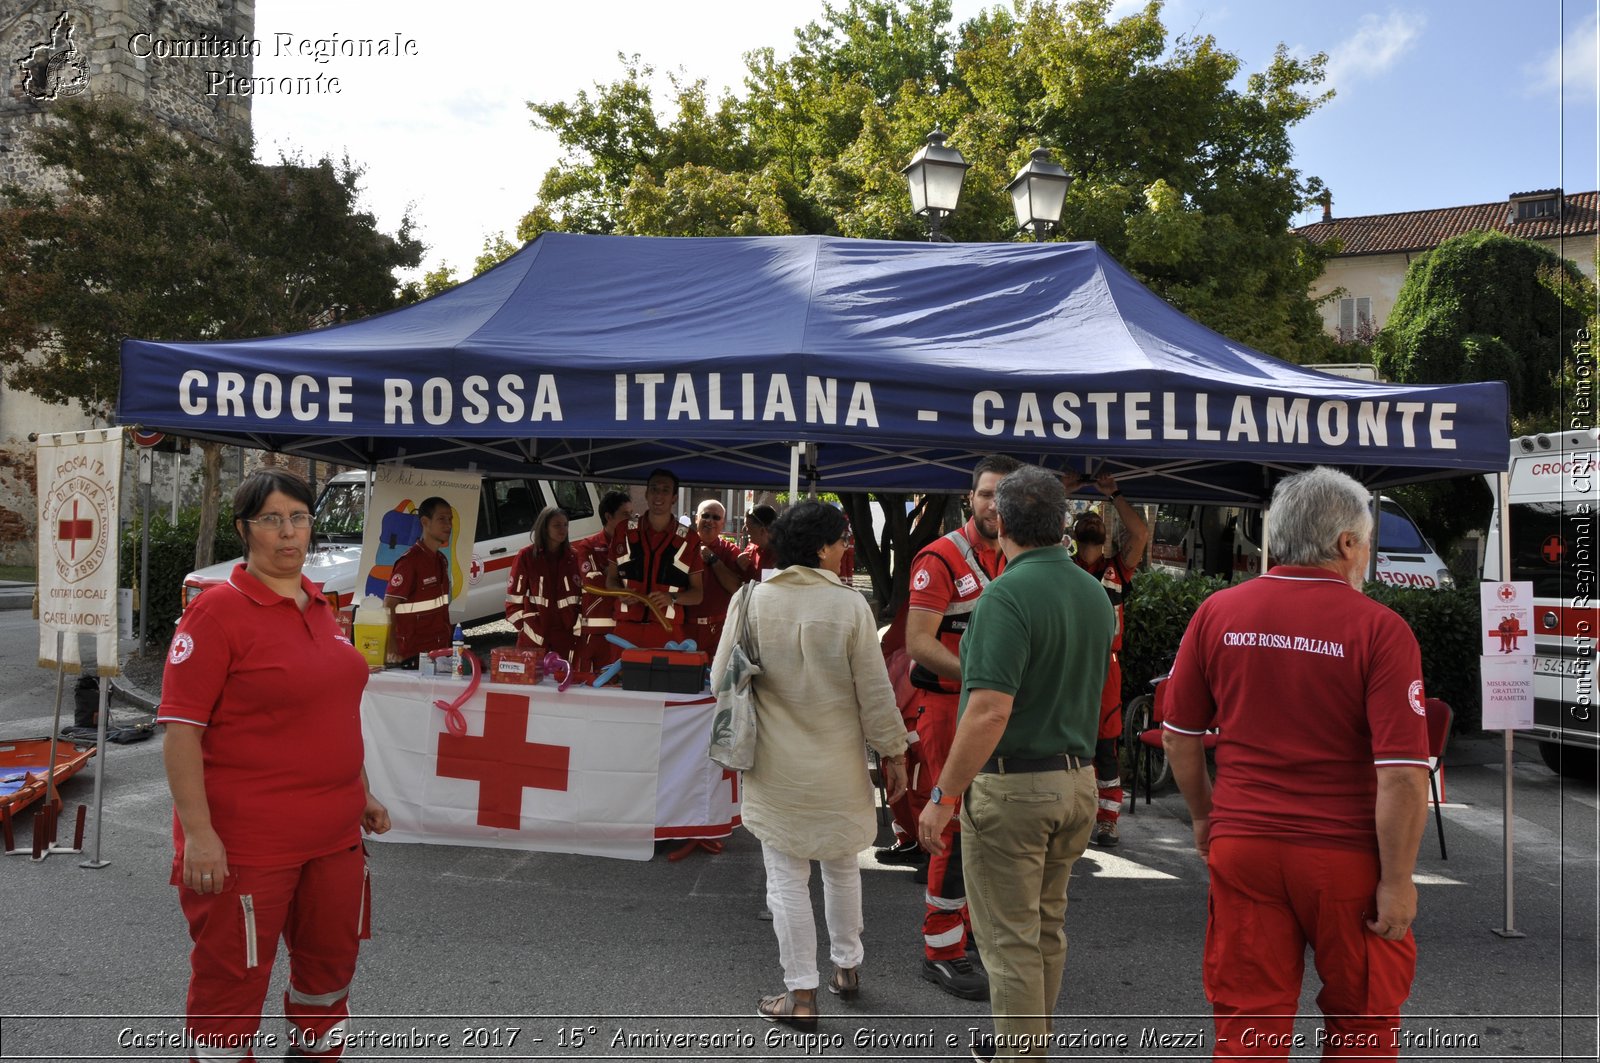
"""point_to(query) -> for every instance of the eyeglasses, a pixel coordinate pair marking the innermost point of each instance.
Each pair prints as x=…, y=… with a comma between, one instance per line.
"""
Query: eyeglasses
x=713, y=516
x=274, y=522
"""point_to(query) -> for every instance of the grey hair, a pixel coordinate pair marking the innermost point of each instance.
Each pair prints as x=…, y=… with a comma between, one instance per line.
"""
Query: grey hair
x=1033, y=506
x=1310, y=510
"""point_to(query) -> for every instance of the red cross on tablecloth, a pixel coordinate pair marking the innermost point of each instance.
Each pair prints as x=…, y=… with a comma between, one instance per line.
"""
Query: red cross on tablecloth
x=75, y=530
x=503, y=761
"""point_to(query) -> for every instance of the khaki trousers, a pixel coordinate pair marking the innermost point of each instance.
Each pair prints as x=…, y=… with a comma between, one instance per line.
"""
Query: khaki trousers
x=1020, y=836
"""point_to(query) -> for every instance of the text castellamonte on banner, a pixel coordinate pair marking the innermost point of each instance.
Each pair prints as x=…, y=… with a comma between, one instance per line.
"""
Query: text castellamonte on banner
x=639, y=399
x=207, y=47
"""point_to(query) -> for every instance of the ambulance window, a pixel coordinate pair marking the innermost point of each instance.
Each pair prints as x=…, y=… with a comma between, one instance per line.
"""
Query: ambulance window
x=342, y=510
x=1396, y=533
x=573, y=498
x=1552, y=549
x=516, y=504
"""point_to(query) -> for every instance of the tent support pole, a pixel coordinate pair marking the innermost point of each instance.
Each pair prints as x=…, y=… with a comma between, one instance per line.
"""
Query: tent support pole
x=1510, y=929
x=794, y=472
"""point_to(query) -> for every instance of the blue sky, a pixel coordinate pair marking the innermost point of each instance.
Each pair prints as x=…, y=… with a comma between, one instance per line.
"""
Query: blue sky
x=1439, y=103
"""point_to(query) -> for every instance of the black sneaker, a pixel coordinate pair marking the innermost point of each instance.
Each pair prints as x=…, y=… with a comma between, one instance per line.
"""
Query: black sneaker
x=983, y=1049
x=957, y=977
x=903, y=853
x=920, y=875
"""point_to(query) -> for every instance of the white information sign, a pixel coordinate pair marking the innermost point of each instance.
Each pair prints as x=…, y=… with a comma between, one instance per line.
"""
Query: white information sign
x=1507, y=692
x=1507, y=629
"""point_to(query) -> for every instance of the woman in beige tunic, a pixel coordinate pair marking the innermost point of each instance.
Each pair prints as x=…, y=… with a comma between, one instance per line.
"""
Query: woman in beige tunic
x=823, y=692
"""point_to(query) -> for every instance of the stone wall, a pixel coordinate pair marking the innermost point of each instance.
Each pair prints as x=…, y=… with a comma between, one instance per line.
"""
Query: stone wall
x=159, y=56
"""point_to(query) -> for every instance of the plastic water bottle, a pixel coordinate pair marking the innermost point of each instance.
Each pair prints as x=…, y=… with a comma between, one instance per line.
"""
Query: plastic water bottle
x=458, y=645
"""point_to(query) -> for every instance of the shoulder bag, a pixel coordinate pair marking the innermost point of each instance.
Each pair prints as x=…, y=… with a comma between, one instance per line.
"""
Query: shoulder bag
x=733, y=725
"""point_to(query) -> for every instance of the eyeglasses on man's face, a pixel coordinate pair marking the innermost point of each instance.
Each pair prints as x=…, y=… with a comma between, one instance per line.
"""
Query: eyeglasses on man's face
x=275, y=522
x=714, y=517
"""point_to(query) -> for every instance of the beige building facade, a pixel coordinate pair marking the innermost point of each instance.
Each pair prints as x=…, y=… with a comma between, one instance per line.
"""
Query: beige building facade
x=1377, y=249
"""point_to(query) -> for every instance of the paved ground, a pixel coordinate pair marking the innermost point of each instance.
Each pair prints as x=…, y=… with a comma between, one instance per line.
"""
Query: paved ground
x=527, y=955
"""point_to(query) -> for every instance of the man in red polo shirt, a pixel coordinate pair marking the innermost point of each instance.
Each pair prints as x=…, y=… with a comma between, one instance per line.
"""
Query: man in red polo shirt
x=418, y=596
x=658, y=559
x=1312, y=829
x=722, y=577
x=946, y=579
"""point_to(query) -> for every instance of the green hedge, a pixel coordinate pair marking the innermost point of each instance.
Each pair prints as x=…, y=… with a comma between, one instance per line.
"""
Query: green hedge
x=1445, y=622
x=171, y=559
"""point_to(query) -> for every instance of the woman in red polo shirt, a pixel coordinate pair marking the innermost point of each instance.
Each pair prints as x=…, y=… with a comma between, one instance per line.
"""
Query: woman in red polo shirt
x=545, y=588
x=262, y=701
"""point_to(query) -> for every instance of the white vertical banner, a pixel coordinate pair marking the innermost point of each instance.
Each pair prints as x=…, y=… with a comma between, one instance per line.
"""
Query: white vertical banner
x=79, y=478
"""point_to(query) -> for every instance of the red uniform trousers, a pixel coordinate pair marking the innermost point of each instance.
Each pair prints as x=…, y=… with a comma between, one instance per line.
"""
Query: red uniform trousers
x=946, y=925
x=706, y=632
x=1268, y=899
x=1108, y=746
x=321, y=908
x=908, y=699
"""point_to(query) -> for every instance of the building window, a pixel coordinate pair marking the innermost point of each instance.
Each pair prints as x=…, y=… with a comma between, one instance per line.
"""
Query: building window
x=1355, y=320
x=1535, y=209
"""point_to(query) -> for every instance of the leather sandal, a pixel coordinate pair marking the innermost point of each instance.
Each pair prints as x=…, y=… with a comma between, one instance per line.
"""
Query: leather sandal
x=845, y=983
x=797, y=1008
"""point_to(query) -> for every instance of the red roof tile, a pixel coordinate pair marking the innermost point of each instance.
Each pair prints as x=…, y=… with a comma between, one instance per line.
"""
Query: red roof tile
x=1420, y=230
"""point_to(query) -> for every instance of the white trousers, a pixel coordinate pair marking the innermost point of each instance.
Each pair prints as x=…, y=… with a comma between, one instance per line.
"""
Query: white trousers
x=789, y=899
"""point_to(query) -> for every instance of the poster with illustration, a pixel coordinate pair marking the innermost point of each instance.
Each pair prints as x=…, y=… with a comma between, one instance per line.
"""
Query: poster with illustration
x=394, y=526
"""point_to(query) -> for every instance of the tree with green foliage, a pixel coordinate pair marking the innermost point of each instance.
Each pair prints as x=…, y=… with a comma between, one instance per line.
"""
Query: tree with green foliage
x=1184, y=176
x=1486, y=306
x=162, y=234
x=1483, y=306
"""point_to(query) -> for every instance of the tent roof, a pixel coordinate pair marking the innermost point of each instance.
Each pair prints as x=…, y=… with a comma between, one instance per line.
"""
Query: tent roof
x=601, y=357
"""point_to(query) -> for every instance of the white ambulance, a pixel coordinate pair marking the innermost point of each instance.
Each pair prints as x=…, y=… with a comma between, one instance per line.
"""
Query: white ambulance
x=1223, y=541
x=1554, y=495
x=507, y=506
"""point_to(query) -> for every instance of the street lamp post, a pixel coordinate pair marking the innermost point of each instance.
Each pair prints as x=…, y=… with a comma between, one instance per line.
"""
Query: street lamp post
x=935, y=175
x=1038, y=193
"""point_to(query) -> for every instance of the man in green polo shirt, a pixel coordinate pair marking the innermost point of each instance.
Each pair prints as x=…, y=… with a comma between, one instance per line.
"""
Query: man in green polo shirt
x=1033, y=662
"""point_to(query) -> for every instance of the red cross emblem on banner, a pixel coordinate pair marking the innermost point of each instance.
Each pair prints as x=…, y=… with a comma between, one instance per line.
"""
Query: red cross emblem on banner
x=77, y=529
x=502, y=761
x=1552, y=549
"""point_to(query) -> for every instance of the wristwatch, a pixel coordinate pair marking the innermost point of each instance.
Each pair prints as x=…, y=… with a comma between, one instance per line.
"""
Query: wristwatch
x=939, y=797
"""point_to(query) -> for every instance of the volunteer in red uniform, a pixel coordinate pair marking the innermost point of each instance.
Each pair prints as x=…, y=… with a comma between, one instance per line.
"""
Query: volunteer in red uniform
x=656, y=557
x=758, y=555
x=418, y=596
x=946, y=579
x=544, y=589
x=594, y=554
x=1311, y=832
x=1115, y=573
x=723, y=575
x=262, y=702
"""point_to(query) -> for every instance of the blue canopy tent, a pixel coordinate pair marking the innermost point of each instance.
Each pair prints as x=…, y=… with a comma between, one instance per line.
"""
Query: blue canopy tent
x=891, y=365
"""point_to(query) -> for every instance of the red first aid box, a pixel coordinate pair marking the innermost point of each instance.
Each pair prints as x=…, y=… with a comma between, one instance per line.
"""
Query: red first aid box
x=508, y=665
x=667, y=671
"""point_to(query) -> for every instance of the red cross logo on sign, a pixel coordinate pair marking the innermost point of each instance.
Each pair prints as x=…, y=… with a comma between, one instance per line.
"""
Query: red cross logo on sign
x=502, y=761
x=75, y=530
x=1553, y=549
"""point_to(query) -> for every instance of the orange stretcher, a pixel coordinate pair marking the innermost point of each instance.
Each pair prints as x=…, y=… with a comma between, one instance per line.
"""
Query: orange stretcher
x=22, y=769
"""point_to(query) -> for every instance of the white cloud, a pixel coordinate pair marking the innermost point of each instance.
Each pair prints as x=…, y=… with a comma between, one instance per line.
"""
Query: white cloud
x=1378, y=43
x=1577, y=79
